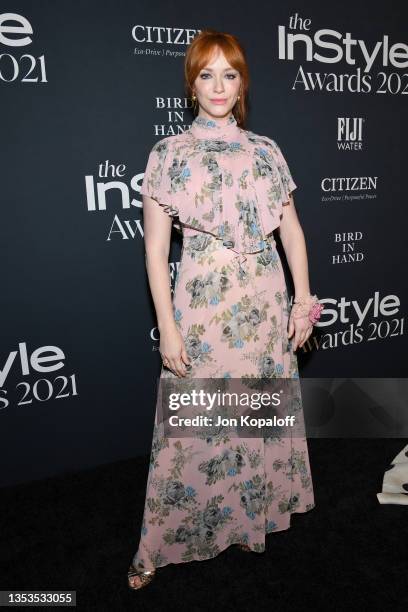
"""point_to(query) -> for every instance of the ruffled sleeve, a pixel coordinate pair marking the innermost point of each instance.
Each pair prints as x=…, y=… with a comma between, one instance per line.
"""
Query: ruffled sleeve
x=157, y=178
x=287, y=184
x=272, y=180
x=233, y=190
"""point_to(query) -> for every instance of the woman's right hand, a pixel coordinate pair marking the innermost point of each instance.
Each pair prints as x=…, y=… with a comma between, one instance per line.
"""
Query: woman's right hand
x=173, y=351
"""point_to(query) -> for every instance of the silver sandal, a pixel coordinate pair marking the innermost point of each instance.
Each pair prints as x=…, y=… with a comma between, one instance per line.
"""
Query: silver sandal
x=145, y=577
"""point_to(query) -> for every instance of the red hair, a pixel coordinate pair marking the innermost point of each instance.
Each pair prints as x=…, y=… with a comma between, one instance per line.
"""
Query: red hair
x=200, y=52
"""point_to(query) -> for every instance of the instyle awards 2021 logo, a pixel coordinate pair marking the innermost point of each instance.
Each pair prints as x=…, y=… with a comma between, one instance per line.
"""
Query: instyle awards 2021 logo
x=29, y=376
x=354, y=321
x=16, y=32
x=103, y=191
x=372, y=68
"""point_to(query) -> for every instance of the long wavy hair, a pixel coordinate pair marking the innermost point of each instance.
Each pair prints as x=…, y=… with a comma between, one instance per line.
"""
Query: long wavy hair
x=201, y=50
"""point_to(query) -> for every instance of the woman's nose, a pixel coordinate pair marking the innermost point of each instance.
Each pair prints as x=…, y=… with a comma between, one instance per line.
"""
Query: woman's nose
x=219, y=86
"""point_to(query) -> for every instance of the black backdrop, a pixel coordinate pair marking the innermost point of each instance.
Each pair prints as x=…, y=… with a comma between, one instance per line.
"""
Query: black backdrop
x=86, y=89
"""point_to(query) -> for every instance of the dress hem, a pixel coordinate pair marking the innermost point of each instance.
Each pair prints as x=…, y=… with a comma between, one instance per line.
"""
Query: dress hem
x=299, y=511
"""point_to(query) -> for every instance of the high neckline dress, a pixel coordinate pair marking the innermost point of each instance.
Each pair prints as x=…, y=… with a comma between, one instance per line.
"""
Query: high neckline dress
x=224, y=187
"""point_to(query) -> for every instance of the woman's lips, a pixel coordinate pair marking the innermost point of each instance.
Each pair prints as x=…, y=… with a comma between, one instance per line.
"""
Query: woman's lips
x=218, y=101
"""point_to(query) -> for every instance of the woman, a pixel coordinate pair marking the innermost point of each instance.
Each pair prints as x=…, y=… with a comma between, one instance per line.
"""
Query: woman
x=229, y=317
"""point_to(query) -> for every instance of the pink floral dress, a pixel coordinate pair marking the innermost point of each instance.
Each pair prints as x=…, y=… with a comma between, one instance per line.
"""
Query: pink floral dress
x=225, y=187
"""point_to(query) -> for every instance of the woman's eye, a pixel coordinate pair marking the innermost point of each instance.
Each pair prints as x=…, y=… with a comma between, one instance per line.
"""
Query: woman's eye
x=230, y=75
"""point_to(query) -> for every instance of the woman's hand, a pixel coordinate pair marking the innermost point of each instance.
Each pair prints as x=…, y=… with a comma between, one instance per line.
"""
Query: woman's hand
x=173, y=351
x=301, y=327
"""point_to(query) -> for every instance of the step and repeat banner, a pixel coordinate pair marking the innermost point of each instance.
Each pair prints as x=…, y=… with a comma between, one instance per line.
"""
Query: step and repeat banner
x=86, y=89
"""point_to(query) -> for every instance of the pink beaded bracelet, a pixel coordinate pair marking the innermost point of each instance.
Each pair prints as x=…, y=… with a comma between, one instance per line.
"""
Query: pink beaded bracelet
x=310, y=308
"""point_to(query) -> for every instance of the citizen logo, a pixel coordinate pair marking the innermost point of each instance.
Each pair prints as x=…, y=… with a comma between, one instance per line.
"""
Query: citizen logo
x=163, y=36
x=340, y=184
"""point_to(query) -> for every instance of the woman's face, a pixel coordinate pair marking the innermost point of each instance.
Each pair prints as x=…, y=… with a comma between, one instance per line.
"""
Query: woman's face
x=217, y=87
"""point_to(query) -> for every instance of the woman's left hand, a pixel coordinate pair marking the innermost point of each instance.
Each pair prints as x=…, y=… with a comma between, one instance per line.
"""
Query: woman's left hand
x=302, y=328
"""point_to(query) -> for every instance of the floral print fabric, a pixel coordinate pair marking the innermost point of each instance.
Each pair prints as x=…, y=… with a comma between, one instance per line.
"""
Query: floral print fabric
x=220, y=179
x=225, y=188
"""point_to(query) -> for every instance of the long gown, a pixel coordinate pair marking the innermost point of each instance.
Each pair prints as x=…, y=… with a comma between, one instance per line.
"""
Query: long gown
x=226, y=186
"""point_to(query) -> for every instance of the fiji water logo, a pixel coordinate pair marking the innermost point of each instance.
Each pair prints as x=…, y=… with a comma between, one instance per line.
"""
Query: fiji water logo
x=350, y=133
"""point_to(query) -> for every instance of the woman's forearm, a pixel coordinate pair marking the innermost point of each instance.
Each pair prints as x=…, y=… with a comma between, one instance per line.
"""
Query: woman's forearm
x=294, y=245
x=157, y=267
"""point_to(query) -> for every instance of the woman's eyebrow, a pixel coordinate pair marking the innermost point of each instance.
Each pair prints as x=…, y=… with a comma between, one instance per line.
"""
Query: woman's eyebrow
x=211, y=70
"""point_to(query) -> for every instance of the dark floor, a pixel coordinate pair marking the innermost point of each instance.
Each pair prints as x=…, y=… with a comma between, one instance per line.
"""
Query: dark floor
x=79, y=532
